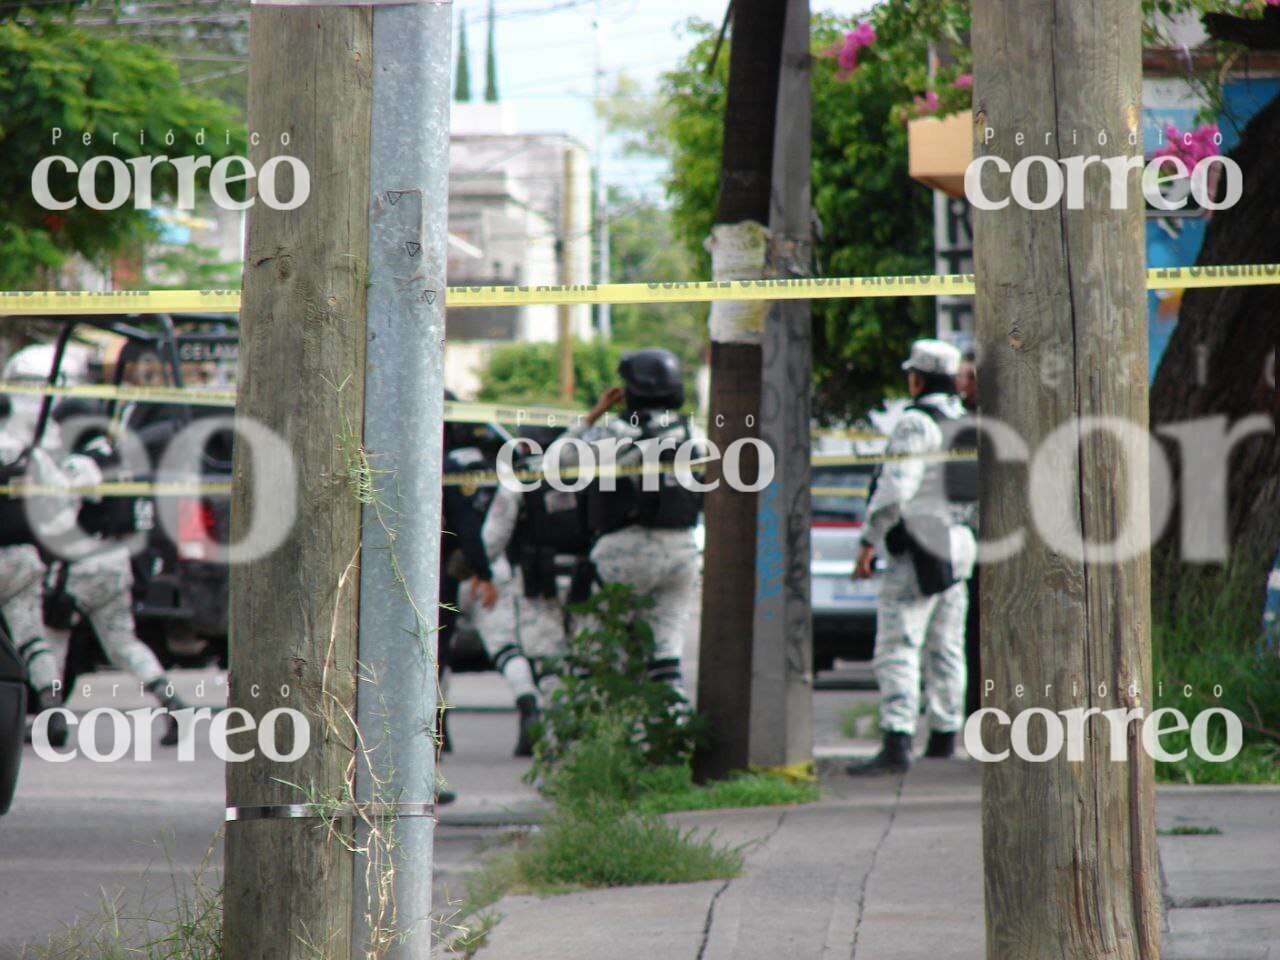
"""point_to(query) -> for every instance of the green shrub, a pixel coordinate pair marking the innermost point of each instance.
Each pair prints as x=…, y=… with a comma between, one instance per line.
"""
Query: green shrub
x=1212, y=637
x=602, y=679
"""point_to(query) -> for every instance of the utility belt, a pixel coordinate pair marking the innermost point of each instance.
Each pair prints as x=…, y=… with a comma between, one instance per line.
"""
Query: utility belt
x=541, y=567
x=926, y=540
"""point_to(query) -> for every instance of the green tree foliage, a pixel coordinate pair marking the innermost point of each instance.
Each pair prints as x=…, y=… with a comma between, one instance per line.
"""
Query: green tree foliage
x=462, y=78
x=54, y=74
x=529, y=372
x=642, y=248
x=490, y=63
x=875, y=219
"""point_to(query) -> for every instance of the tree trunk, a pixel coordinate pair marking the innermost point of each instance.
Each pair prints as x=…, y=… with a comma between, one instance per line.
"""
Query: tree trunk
x=1220, y=362
x=1069, y=842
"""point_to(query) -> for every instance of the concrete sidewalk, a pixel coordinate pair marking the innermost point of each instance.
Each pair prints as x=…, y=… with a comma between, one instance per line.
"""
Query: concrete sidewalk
x=892, y=870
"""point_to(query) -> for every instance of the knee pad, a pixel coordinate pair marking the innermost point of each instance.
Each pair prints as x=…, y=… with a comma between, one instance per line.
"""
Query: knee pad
x=504, y=656
x=666, y=670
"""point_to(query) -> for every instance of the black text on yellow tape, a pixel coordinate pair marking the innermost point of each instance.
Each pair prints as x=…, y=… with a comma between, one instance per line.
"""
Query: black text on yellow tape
x=58, y=303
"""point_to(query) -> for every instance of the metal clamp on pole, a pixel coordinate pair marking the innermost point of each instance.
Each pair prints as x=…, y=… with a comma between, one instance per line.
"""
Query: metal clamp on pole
x=315, y=811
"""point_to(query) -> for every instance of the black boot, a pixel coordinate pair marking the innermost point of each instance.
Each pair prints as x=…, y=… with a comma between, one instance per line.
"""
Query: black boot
x=46, y=699
x=894, y=757
x=172, y=703
x=529, y=718
x=942, y=746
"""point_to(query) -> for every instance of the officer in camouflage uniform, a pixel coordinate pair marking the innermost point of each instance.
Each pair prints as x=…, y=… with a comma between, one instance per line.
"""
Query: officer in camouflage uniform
x=22, y=606
x=93, y=573
x=923, y=596
x=646, y=526
x=531, y=537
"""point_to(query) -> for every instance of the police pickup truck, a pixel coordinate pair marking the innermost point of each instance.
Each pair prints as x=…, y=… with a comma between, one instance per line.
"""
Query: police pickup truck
x=188, y=361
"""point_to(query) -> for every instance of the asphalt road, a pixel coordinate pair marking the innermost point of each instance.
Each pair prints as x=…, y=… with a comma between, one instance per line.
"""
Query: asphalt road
x=81, y=832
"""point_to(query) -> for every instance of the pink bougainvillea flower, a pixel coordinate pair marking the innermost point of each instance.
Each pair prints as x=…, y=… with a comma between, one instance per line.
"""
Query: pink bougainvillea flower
x=864, y=34
x=1191, y=146
x=927, y=104
x=846, y=51
x=963, y=81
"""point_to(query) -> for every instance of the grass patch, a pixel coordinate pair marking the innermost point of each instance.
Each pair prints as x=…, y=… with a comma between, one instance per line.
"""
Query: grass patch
x=860, y=721
x=1187, y=831
x=475, y=935
x=184, y=924
x=1208, y=651
x=671, y=789
x=606, y=828
x=600, y=844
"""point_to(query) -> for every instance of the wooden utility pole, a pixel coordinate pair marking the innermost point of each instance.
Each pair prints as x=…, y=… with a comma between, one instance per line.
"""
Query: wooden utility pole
x=781, y=730
x=1069, y=846
x=294, y=612
x=330, y=855
x=729, y=568
x=568, y=274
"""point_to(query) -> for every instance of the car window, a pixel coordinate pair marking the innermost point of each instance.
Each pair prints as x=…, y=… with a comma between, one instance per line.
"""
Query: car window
x=840, y=493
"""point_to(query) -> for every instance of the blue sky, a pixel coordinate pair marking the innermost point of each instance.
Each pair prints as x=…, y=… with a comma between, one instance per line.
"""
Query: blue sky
x=546, y=60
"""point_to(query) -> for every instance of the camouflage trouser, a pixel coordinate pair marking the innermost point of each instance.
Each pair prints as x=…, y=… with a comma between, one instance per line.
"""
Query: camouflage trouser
x=22, y=604
x=912, y=626
x=662, y=564
x=516, y=624
x=102, y=587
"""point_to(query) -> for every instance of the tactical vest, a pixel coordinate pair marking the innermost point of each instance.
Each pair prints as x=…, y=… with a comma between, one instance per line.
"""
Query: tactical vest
x=671, y=506
x=554, y=519
x=468, y=460
x=552, y=523
x=951, y=481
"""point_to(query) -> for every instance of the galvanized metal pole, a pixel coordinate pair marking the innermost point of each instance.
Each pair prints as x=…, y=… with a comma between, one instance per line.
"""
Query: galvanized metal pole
x=403, y=441
x=781, y=723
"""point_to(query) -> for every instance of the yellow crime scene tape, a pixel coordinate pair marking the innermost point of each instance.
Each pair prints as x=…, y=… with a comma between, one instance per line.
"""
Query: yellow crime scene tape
x=72, y=303
x=454, y=411
x=190, y=396
x=468, y=480
x=118, y=488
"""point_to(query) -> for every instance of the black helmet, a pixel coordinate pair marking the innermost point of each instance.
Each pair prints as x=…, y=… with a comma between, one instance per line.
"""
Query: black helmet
x=652, y=378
